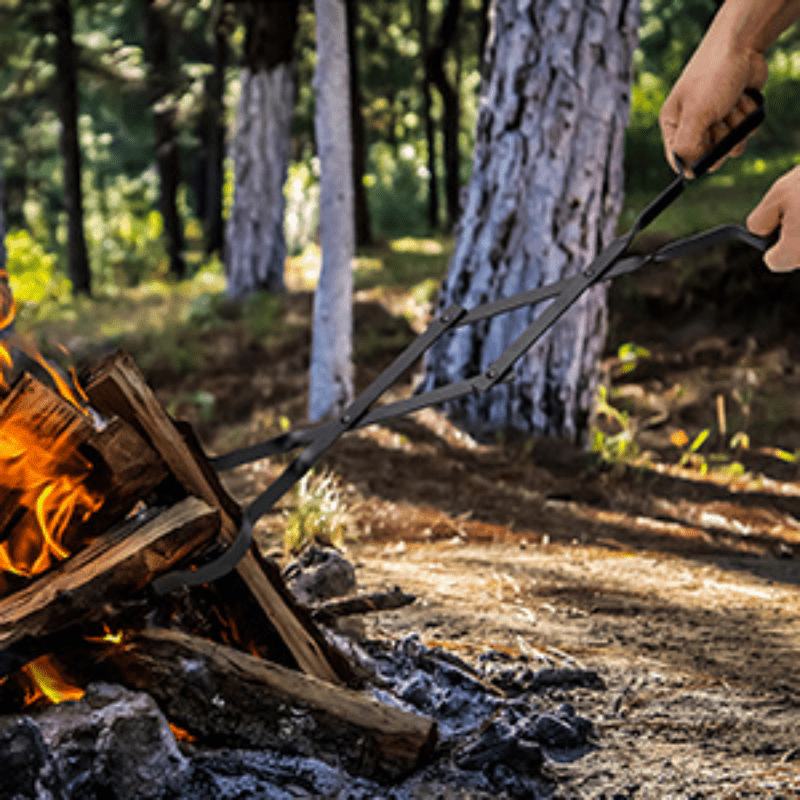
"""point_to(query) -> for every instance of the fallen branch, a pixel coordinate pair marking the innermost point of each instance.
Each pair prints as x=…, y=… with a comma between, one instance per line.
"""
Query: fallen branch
x=326, y=613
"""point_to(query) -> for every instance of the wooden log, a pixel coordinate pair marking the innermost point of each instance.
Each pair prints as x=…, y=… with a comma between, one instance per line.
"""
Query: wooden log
x=113, y=566
x=47, y=443
x=224, y=696
x=115, y=385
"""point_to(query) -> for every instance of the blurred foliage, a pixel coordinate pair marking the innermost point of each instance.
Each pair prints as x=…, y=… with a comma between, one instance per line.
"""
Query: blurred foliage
x=123, y=227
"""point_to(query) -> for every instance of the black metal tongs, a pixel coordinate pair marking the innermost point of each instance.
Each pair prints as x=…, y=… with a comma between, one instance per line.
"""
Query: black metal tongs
x=610, y=263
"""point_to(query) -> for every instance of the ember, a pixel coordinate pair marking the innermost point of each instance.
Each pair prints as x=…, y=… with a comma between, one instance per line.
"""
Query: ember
x=46, y=680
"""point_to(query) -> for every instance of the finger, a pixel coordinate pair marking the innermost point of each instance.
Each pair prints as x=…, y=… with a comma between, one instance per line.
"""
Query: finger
x=668, y=120
x=766, y=216
x=718, y=132
x=785, y=254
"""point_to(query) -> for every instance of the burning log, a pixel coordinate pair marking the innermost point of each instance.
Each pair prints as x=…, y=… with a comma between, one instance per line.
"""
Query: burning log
x=63, y=481
x=112, y=567
x=116, y=386
x=222, y=695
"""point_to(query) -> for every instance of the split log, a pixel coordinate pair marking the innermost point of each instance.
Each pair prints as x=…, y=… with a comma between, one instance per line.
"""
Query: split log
x=226, y=697
x=50, y=450
x=111, y=567
x=115, y=385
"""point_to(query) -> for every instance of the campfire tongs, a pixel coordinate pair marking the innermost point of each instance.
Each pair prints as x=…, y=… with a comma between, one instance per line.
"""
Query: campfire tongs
x=610, y=263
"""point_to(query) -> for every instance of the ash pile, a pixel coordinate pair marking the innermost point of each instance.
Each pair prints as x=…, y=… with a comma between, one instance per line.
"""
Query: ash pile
x=500, y=721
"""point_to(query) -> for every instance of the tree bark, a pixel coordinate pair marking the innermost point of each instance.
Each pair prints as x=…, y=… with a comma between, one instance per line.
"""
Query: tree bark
x=256, y=247
x=212, y=135
x=545, y=192
x=363, y=228
x=430, y=131
x=331, y=383
x=66, y=64
x=162, y=88
x=436, y=70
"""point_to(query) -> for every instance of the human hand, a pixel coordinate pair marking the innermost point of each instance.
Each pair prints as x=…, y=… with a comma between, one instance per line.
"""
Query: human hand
x=708, y=100
x=780, y=206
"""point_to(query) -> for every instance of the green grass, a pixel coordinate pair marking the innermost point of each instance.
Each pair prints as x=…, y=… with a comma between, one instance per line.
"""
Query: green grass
x=728, y=195
x=404, y=263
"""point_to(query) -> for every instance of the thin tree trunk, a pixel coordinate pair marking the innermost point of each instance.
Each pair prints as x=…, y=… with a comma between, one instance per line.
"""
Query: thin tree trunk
x=331, y=383
x=430, y=131
x=545, y=192
x=67, y=92
x=363, y=228
x=213, y=136
x=446, y=37
x=255, y=242
x=162, y=83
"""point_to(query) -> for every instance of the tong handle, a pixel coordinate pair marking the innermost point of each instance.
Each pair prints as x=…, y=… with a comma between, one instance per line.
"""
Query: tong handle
x=733, y=137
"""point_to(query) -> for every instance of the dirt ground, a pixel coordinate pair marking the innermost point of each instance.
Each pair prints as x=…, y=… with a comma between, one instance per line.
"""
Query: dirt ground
x=675, y=575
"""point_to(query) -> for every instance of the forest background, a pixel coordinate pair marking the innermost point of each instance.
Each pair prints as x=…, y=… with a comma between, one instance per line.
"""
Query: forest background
x=405, y=179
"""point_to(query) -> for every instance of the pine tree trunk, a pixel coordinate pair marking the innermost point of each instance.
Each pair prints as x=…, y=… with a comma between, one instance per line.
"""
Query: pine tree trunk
x=67, y=93
x=430, y=133
x=213, y=136
x=331, y=384
x=435, y=68
x=544, y=197
x=256, y=246
x=362, y=219
x=162, y=87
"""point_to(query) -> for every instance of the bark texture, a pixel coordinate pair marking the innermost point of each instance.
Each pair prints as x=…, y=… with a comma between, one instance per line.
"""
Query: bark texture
x=427, y=104
x=256, y=247
x=435, y=69
x=331, y=369
x=162, y=83
x=67, y=102
x=211, y=169
x=363, y=229
x=545, y=192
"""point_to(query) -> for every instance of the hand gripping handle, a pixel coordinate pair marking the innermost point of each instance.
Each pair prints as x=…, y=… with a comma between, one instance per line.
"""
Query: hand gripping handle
x=733, y=137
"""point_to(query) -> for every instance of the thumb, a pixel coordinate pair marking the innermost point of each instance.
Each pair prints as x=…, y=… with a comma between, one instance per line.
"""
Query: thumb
x=771, y=212
x=692, y=137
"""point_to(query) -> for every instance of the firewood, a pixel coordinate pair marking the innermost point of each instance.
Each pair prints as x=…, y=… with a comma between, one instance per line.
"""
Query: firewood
x=113, y=566
x=46, y=442
x=115, y=385
x=327, y=612
x=224, y=696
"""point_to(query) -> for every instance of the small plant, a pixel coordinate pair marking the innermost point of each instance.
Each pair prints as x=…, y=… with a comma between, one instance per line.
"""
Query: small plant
x=628, y=356
x=319, y=513
x=617, y=447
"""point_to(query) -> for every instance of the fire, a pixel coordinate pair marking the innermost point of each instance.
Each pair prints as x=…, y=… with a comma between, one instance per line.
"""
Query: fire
x=48, y=479
x=108, y=637
x=46, y=680
x=43, y=477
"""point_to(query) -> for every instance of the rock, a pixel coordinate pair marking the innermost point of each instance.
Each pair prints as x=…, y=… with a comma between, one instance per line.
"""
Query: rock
x=27, y=768
x=114, y=744
x=320, y=573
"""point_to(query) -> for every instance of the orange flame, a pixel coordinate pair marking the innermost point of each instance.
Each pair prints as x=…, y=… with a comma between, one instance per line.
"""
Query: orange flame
x=46, y=480
x=43, y=477
x=46, y=680
x=180, y=734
